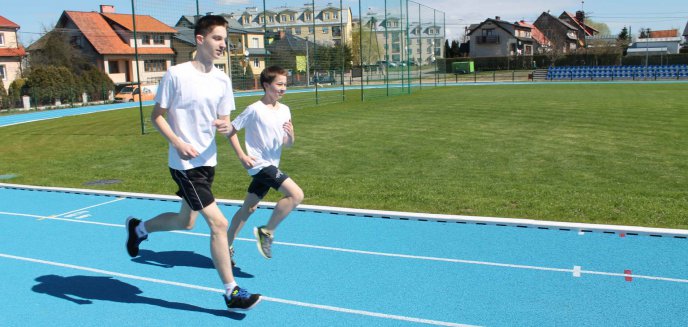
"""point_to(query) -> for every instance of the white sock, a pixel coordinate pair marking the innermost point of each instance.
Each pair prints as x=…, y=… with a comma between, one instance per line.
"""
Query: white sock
x=141, y=230
x=229, y=287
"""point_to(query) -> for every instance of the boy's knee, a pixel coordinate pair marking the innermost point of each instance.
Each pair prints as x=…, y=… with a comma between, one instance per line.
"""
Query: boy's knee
x=297, y=197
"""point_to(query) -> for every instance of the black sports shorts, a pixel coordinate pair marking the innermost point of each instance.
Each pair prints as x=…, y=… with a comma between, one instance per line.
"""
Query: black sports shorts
x=266, y=178
x=194, y=186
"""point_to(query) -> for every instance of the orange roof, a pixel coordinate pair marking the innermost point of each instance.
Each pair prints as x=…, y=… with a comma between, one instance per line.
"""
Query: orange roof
x=535, y=33
x=103, y=38
x=144, y=23
x=12, y=52
x=664, y=33
x=4, y=22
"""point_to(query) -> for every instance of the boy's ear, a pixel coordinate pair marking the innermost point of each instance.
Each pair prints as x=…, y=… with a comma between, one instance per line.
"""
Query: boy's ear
x=199, y=39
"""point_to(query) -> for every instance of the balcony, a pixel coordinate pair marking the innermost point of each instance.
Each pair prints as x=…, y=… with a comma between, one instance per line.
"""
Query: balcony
x=486, y=39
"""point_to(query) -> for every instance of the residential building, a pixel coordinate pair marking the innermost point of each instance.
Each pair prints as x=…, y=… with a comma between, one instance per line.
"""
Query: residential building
x=656, y=43
x=328, y=25
x=11, y=52
x=424, y=42
x=583, y=30
x=106, y=39
x=685, y=35
x=562, y=36
x=499, y=38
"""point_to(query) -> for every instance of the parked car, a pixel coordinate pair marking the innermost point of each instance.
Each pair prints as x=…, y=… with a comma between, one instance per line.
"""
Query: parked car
x=131, y=93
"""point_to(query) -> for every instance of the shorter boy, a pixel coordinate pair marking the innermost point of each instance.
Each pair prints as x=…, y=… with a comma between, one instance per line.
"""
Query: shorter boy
x=268, y=128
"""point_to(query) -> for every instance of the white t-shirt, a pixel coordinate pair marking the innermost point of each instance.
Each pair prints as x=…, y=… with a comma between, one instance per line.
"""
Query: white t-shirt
x=264, y=133
x=193, y=100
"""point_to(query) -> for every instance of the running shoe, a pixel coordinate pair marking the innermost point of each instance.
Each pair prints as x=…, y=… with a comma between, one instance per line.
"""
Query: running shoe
x=264, y=241
x=241, y=300
x=231, y=255
x=133, y=240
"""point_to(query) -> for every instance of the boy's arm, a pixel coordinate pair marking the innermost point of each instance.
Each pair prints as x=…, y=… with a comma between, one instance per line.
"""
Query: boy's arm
x=185, y=150
x=246, y=161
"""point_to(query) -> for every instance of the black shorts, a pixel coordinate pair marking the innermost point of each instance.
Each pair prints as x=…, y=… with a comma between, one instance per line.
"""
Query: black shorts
x=266, y=178
x=194, y=186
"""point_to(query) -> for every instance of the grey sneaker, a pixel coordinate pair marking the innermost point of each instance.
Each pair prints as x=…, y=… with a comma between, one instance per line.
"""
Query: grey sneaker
x=231, y=255
x=264, y=241
x=133, y=240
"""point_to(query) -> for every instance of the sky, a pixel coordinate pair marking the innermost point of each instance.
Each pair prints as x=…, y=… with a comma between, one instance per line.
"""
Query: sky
x=35, y=16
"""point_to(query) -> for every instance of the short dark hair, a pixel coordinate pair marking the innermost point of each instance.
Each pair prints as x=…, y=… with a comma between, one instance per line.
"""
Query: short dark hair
x=206, y=24
x=268, y=74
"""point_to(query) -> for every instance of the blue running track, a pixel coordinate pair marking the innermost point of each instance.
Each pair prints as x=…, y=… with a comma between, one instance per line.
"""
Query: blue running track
x=63, y=263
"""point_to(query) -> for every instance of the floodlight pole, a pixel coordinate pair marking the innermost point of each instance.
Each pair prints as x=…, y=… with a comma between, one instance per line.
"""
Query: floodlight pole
x=138, y=77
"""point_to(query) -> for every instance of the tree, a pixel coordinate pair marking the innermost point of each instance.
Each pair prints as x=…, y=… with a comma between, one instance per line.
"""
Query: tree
x=602, y=28
x=368, y=49
x=55, y=50
x=4, y=99
x=455, y=49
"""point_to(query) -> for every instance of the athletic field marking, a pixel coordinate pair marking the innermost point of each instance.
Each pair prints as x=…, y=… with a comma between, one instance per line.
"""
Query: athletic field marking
x=89, y=207
x=209, y=289
x=518, y=222
x=573, y=271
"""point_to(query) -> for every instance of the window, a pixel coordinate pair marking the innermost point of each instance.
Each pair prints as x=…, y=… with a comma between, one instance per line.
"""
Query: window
x=327, y=16
x=326, y=30
x=75, y=41
x=283, y=18
x=154, y=65
x=3, y=73
x=158, y=39
x=308, y=16
x=311, y=30
x=488, y=31
x=297, y=30
x=2, y=38
x=145, y=39
x=113, y=67
x=256, y=63
x=255, y=43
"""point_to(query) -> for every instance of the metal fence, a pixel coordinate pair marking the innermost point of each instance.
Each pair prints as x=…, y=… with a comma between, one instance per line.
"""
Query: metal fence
x=365, y=49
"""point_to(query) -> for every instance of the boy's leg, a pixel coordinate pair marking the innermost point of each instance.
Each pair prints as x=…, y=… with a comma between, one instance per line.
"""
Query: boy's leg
x=293, y=195
x=168, y=221
x=219, y=248
x=241, y=216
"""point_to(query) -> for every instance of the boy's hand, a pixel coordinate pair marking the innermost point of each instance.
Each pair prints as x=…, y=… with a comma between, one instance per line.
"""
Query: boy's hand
x=289, y=128
x=247, y=161
x=186, y=151
x=222, y=126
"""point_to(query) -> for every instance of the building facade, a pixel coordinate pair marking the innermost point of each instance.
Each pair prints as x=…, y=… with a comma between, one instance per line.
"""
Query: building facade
x=11, y=52
x=499, y=38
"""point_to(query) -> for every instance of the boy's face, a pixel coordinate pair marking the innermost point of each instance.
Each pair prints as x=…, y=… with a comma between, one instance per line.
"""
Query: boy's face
x=214, y=43
x=277, y=88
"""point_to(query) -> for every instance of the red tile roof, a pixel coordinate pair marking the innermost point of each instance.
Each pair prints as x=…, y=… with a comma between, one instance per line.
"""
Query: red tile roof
x=144, y=23
x=664, y=33
x=4, y=22
x=12, y=52
x=104, y=39
x=535, y=33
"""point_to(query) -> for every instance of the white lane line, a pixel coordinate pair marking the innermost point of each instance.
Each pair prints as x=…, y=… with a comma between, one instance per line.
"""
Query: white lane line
x=89, y=207
x=576, y=271
x=215, y=290
x=385, y=254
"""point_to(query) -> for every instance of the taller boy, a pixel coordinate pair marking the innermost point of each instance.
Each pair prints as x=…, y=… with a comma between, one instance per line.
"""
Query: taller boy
x=197, y=98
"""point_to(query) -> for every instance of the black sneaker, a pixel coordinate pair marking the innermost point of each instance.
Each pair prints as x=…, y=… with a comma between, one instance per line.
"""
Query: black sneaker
x=241, y=300
x=133, y=240
x=263, y=241
x=231, y=255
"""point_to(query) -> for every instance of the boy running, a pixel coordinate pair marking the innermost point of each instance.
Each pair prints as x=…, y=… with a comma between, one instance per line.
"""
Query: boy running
x=268, y=128
x=197, y=99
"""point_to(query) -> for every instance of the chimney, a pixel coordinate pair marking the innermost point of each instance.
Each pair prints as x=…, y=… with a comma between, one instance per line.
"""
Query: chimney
x=107, y=9
x=498, y=18
x=580, y=16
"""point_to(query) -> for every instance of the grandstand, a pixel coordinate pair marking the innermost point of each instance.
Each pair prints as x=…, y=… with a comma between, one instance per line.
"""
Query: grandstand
x=626, y=72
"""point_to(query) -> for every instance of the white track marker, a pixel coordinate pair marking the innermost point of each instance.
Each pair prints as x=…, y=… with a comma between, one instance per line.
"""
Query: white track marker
x=576, y=271
x=266, y=298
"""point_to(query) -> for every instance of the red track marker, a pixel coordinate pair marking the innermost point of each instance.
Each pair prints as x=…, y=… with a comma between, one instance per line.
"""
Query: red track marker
x=628, y=274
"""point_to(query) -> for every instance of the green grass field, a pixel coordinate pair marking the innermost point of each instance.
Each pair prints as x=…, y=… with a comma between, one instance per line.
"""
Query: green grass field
x=599, y=153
